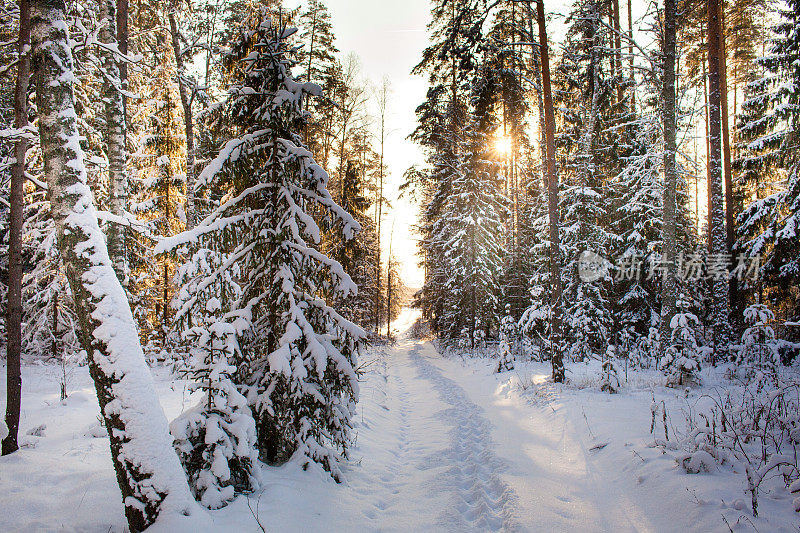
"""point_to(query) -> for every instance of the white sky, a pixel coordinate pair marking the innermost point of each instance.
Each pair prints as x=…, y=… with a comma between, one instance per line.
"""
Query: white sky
x=388, y=37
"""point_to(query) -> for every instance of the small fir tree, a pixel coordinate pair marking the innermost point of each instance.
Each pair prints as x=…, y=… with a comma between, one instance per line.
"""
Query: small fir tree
x=681, y=362
x=759, y=354
x=216, y=439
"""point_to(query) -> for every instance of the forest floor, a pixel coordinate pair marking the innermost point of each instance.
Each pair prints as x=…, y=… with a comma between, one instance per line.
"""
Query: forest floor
x=443, y=444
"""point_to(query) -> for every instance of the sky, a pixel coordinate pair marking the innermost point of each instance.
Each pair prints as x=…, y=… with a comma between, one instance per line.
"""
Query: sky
x=389, y=36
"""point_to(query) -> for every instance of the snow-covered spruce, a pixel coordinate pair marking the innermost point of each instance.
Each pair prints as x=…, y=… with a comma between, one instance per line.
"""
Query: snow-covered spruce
x=768, y=227
x=297, y=355
x=215, y=440
x=759, y=350
x=509, y=341
x=149, y=474
x=681, y=362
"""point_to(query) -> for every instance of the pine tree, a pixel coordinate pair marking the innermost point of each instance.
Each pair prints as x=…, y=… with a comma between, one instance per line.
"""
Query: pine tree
x=585, y=95
x=556, y=298
x=719, y=304
x=475, y=210
x=449, y=62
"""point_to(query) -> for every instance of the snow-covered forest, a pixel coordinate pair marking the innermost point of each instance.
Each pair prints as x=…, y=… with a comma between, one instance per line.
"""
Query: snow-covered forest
x=207, y=324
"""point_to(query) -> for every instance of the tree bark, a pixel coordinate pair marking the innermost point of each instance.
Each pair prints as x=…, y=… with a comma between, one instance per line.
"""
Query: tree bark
x=115, y=142
x=552, y=201
x=670, y=171
x=16, y=200
x=730, y=235
x=149, y=474
x=188, y=120
x=719, y=307
x=630, y=58
x=122, y=42
x=618, y=49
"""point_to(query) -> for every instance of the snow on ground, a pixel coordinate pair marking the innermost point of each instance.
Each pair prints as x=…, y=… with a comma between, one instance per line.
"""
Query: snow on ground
x=442, y=445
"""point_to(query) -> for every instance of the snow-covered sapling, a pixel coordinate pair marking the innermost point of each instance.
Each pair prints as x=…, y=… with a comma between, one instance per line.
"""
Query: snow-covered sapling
x=509, y=340
x=759, y=351
x=681, y=361
x=216, y=439
x=610, y=377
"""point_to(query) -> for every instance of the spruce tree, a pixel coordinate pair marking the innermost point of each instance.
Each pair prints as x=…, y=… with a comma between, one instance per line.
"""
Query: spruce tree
x=768, y=226
x=257, y=253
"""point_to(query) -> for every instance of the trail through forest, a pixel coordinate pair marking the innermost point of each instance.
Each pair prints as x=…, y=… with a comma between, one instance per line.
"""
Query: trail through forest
x=442, y=444
x=529, y=470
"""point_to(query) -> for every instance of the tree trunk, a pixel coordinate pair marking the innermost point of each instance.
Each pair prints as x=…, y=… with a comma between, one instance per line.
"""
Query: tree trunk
x=16, y=200
x=552, y=201
x=148, y=471
x=384, y=96
x=670, y=171
x=618, y=50
x=188, y=120
x=122, y=45
x=115, y=142
x=719, y=307
x=630, y=58
x=730, y=235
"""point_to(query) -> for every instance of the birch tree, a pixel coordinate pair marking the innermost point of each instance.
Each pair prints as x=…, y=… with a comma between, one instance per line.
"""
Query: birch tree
x=115, y=138
x=149, y=474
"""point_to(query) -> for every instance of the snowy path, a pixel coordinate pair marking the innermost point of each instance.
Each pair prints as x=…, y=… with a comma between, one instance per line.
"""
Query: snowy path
x=448, y=453
x=441, y=445
x=441, y=450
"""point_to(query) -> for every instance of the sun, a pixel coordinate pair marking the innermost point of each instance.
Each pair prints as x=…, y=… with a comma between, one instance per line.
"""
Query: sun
x=503, y=145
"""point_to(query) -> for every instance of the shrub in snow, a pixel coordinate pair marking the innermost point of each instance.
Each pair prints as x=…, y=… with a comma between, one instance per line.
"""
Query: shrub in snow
x=509, y=340
x=699, y=461
x=258, y=252
x=215, y=440
x=610, y=378
x=759, y=350
x=681, y=362
x=756, y=431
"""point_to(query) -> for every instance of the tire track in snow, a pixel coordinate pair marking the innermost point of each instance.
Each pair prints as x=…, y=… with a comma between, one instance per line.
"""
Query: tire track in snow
x=392, y=476
x=483, y=500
